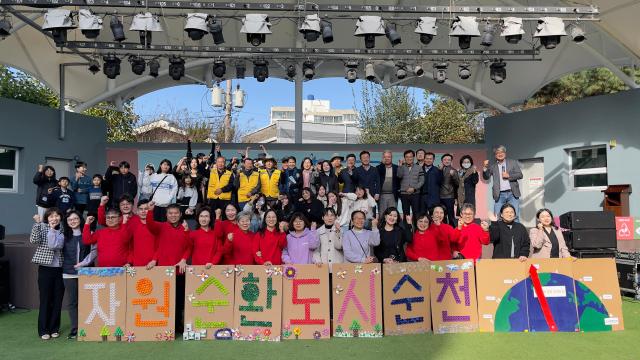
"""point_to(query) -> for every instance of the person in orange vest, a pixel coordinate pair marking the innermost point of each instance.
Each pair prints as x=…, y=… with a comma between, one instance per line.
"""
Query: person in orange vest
x=270, y=180
x=220, y=185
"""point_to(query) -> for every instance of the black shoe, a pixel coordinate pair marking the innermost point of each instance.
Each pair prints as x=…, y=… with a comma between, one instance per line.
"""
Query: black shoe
x=72, y=335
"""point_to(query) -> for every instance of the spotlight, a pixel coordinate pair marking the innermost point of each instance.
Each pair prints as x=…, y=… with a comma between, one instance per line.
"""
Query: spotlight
x=310, y=27
x=138, y=64
x=215, y=28
x=440, y=72
x=176, y=67
x=418, y=70
x=401, y=70
x=256, y=26
x=5, y=27
x=550, y=30
x=487, y=35
x=117, y=29
x=90, y=25
x=196, y=26
x=392, y=34
x=512, y=29
x=260, y=70
x=154, y=66
x=146, y=24
x=219, y=68
x=427, y=29
x=291, y=71
x=58, y=21
x=94, y=66
x=577, y=34
x=111, y=66
x=352, y=71
x=464, y=71
x=327, y=31
x=308, y=69
x=464, y=28
x=369, y=27
x=369, y=72
x=498, y=71
x=240, y=70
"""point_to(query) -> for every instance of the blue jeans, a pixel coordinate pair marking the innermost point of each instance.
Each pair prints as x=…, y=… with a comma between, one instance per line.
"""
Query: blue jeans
x=507, y=197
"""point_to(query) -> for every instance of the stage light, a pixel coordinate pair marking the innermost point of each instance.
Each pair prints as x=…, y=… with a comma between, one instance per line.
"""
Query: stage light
x=392, y=34
x=577, y=34
x=440, y=72
x=260, y=70
x=550, y=30
x=146, y=24
x=418, y=70
x=215, y=28
x=58, y=21
x=176, y=67
x=464, y=28
x=464, y=71
x=487, y=34
x=369, y=27
x=117, y=29
x=94, y=66
x=310, y=27
x=240, y=70
x=5, y=27
x=291, y=71
x=351, y=71
x=219, y=68
x=90, y=24
x=369, y=72
x=154, y=66
x=309, y=69
x=138, y=65
x=498, y=71
x=256, y=26
x=427, y=29
x=401, y=70
x=327, y=31
x=512, y=29
x=196, y=26
x=111, y=66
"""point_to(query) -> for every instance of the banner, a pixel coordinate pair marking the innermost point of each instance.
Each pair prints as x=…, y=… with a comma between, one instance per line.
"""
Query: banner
x=209, y=300
x=357, y=300
x=151, y=303
x=258, y=303
x=102, y=296
x=406, y=298
x=625, y=228
x=305, y=302
x=453, y=296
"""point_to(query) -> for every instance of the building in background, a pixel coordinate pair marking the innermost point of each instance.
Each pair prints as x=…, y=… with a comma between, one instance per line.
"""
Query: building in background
x=320, y=124
x=162, y=131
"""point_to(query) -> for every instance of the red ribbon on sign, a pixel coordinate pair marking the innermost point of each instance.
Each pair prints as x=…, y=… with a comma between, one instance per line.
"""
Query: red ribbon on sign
x=533, y=272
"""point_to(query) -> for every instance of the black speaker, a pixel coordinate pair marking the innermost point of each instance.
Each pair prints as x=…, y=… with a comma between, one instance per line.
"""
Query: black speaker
x=576, y=220
x=594, y=253
x=591, y=239
x=4, y=282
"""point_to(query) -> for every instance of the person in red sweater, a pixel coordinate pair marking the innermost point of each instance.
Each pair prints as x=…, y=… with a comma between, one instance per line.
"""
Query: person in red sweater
x=445, y=234
x=269, y=241
x=238, y=249
x=125, y=204
x=113, y=242
x=225, y=223
x=471, y=235
x=428, y=243
x=205, y=248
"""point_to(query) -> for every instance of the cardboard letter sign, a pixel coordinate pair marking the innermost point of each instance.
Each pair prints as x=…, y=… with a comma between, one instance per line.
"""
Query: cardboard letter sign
x=453, y=296
x=102, y=296
x=406, y=298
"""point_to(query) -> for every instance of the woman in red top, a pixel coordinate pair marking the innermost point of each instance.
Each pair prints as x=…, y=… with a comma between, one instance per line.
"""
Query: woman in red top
x=427, y=243
x=445, y=234
x=472, y=236
x=113, y=241
x=238, y=249
x=205, y=249
x=269, y=241
x=225, y=223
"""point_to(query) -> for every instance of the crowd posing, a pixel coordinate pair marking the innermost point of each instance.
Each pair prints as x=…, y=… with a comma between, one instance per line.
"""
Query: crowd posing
x=208, y=210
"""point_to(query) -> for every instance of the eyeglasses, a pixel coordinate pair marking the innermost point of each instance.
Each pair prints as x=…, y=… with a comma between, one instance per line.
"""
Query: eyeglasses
x=113, y=217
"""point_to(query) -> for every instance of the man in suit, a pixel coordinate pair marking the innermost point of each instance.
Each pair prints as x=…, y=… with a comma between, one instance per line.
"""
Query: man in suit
x=505, y=173
x=430, y=194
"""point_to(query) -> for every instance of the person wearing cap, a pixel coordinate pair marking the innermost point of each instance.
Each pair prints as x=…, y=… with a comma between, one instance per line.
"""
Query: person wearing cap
x=270, y=179
x=291, y=178
x=247, y=181
x=220, y=185
x=336, y=163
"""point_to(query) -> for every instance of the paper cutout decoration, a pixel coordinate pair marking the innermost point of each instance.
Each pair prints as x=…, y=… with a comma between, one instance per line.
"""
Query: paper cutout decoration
x=406, y=298
x=102, y=295
x=209, y=299
x=357, y=300
x=306, y=303
x=258, y=304
x=453, y=296
x=502, y=307
x=598, y=295
x=151, y=304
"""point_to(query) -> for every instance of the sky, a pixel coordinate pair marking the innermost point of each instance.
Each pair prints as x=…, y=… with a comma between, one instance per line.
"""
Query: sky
x=260, y=97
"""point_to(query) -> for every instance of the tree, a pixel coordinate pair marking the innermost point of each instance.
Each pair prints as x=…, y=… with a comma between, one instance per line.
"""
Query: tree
x=118, y=333
x=119, y=123
x=446, y=121
x=105, y=332
x=355, y=328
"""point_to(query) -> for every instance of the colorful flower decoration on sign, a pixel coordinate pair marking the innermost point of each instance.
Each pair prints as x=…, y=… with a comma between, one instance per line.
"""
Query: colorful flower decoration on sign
x=169, y=335
x=239, y=270
x=227, y=272
x=131, y=337
x=131, y=271
x=339, y=289
x=375, y=271
x=317, y=335
x=277, y=270
x=297, y=331
x=342, y=274
x=267, y=332
x=290, y=272
x=203, y=276
x=190, y=297
x=269, y=271
x=170, y=271
x=358, y=269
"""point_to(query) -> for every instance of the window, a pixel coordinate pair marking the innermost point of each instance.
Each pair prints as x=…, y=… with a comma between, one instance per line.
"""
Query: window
x=588, y=168
x=8, y=169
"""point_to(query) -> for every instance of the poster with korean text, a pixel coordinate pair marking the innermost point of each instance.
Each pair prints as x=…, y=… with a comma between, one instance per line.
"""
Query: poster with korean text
x=406, y=298
x=453, y=296
x=102, y=296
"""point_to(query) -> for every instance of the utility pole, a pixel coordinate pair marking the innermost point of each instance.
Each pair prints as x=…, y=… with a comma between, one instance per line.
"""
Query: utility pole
x=227, y=115
x=226, y=99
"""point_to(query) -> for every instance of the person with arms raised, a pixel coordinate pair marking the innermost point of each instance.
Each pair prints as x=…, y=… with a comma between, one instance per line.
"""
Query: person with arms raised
x=471, y=236
x=358, y=242
x=269, y=240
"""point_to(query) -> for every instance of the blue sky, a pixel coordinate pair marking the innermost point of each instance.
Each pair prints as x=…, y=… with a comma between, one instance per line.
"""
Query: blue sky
x=260, y=97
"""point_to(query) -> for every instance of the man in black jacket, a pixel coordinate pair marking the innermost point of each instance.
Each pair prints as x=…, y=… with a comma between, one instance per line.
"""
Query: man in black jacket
x=430, y=193
x=345, y=178
x=389, y=184
x=510, y=239
x=120, y=183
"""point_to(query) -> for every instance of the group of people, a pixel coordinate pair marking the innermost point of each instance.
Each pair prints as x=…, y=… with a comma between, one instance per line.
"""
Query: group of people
x=208, y=211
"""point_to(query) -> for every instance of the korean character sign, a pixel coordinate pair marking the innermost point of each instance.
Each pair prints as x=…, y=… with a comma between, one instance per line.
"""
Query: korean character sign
x=209, y=299
x=305, y=302
x=453, y=296
x=258, y=303
x=102, y=295
x=406, y=298
x=151, y=303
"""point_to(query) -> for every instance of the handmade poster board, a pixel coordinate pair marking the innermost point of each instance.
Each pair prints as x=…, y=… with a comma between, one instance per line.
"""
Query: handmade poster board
x=598, y=295
x=305, y=302
x=209, y=299
x=556, y=280
x=453, y=296
x=151, y=303
x=258, y=303
x=406, y=298
x=502, y=295
x=102, y=304
x=357, y=300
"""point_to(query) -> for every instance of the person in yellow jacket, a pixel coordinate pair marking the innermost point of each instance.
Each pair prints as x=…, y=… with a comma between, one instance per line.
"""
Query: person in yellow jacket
x=270, y=180
x=247, y=181
x=220, y=185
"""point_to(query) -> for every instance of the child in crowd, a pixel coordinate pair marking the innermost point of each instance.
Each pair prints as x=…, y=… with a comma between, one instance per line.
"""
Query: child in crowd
x=80, y=185
x=165, y=189
x=95, y=194
x=144, y=182
x=301, y=241
x=187, y=196
x=269, y=240
x=45, y=179
x=62, y=197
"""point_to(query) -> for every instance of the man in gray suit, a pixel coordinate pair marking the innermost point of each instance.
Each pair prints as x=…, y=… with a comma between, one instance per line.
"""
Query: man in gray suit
x=506, y=174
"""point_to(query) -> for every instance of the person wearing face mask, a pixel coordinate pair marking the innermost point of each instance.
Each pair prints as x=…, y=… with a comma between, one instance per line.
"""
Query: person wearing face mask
x=510, y=239
x=469, y=178
x=505, y=173
x=546, y=239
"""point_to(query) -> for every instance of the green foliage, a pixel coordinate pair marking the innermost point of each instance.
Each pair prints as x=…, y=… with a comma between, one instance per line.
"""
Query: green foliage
x=105, y=331
x=339, y=329
x=118, y=332
x=355, y=325
x=120, y=124
x=377, y=328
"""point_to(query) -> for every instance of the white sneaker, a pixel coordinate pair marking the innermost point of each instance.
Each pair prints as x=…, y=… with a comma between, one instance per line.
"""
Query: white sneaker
x=55, y=335
x=45, y=337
